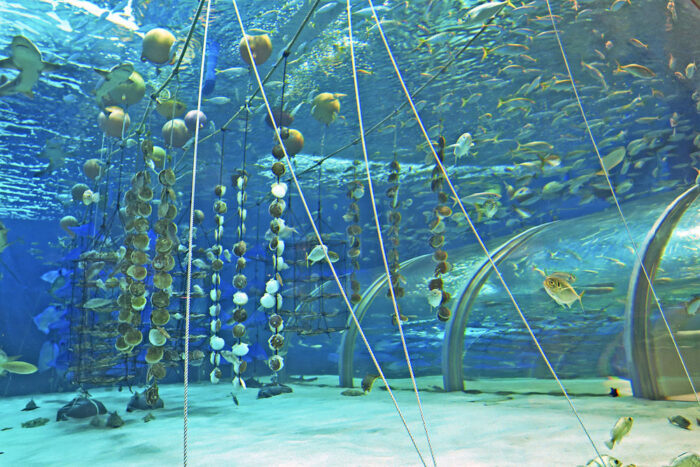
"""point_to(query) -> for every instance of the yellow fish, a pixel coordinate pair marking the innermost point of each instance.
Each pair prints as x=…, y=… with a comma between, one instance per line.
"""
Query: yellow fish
x=11, y=365
x=3, y=237
x=561, y=291
x=170, y=108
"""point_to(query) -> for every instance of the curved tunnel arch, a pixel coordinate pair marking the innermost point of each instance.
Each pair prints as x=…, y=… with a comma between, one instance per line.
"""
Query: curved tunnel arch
x=640, y=347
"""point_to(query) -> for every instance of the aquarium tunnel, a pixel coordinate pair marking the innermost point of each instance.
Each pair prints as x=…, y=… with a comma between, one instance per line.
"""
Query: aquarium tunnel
x=349, y=232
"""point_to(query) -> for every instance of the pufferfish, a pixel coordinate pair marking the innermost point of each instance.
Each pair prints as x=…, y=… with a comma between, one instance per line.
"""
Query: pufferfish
x=561, y=291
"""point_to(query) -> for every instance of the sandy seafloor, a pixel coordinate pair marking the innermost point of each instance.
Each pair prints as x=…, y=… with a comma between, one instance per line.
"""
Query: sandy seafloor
x=316, y=426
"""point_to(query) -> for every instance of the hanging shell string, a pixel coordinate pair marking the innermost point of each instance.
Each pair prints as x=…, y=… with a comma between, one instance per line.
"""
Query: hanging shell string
x=320, y=240
x=217, y=264
x=394, y=224
x=190, y=239
x=215, y=341
x=240, y=281
x=273, y=296
x=476, y=234
x=397, y=314
x=619, y=209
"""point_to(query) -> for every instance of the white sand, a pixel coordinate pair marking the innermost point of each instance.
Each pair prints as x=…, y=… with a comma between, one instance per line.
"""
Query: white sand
x=317, y=426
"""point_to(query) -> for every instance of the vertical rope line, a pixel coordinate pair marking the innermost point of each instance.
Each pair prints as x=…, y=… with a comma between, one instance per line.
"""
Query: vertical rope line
x=221, y=161
x=385, y=262
x=302, y=198
x=619, y=209
x=189, y=241
x=284, y=85
x=247, y=117
x=476, y=234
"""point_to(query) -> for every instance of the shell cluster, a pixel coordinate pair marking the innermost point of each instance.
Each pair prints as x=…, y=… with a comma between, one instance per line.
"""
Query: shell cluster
x=240, y=281
x=394, y=218
x=437, y=296
x=134, y=297
x=354, y=230
x=272, y=298
x=163, y=262
x=216, y=342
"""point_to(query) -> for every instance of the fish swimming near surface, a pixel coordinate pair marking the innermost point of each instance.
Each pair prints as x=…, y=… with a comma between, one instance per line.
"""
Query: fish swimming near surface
x=482, y=13
x=463, y=145
x=54, y=153
x=479, y=198
x=3, y=237
x=111, y=79
x=26, y=58
x=561, y=291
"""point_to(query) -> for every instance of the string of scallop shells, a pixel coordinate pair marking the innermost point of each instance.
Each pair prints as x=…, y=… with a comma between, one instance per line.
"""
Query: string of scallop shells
x=437, y=296
x=215, y=341
x=240, y=281
x=356, y=190
x=163, y=262
x=394, y=220
x=272, y=298
x=132, y=298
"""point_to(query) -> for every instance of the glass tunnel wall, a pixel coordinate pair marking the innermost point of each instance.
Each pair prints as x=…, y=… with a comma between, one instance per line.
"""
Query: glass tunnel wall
x=496, y=344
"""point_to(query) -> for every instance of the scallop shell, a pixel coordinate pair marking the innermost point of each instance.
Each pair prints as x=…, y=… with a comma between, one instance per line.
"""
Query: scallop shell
x=217, y=343
x=279, y=190
x=241, y=298
x=155, y=337
x=239, y=349
x=215, y=295
x=267, y=300
x=272, y=286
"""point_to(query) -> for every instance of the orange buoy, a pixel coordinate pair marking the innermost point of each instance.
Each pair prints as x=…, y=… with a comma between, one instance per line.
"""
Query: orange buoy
x=175, y=133
x=260, y=46
x=156, y=46
x=325, y=107
x=113, y=120
x=294, y=143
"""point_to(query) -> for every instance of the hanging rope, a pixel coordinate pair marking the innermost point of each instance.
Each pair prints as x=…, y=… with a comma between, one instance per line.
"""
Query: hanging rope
x=403, y=105
x=190, y=238
x=619, y=209
x=473, y=228
x=385, y=262
x=318, y=236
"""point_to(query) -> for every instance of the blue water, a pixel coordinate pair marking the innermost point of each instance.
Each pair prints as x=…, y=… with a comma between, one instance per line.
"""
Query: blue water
x=660, y=113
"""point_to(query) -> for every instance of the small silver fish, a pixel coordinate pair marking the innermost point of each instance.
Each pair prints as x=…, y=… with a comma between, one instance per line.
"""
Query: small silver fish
x=622, y=426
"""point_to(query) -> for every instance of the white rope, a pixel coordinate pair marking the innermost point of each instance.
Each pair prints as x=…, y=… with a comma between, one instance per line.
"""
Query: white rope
x=190, y=238
x=473, y=229
x=318, y=235
x=617, y=205
x=385, y=262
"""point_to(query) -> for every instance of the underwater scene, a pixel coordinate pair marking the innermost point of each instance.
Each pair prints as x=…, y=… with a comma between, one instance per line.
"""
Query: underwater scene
x=349, y=232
